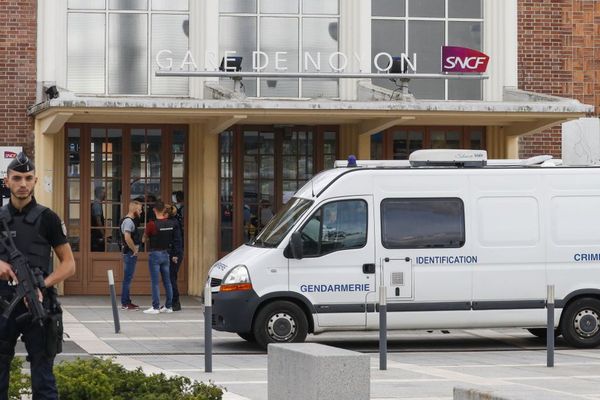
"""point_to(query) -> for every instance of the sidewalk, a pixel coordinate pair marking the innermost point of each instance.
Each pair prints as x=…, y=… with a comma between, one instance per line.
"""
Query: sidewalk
x=421, y=366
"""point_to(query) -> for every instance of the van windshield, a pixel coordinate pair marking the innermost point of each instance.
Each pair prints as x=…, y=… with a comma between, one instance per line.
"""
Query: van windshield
x=274, y=232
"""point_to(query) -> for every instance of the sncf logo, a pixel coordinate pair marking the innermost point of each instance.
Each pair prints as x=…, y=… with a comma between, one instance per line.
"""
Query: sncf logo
x=462, y=59
x=10, y=154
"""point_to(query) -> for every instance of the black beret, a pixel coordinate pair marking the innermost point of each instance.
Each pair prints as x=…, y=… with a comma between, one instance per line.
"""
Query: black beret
x=21, y=163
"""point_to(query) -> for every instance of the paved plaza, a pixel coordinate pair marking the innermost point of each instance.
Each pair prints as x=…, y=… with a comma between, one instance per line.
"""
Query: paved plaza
x=421, y=365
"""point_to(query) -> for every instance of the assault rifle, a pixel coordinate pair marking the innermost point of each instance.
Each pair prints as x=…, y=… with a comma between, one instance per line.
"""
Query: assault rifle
x=29, y=280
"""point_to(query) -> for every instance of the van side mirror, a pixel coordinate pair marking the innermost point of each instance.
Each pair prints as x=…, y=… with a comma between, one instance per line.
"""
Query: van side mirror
x=296, y=245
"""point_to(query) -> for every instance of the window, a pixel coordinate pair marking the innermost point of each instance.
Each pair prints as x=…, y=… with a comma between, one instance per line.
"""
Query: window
x=296, y=27
x=107, y=167
x=340, y=225
x=421, y=223
x=423, y=27
x=112, y=46
x=280, y=225
x=261, y=167
x=397, y=143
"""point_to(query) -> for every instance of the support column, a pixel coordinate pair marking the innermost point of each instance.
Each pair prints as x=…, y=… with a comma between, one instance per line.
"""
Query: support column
x=495, y=142
x=364, y=147
x=202, y=206
x=512, y=146
x=348, y=141
x=50, y=171
x=210, y=207
x=194, y=210
x=45, y=155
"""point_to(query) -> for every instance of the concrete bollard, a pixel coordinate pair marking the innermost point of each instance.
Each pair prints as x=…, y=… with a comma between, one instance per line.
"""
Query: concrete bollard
x=113, y=300
x=311, y=371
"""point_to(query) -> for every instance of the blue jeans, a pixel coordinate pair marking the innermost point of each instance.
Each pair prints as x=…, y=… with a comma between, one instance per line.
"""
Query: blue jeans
x=159, y=265
x=129, y=261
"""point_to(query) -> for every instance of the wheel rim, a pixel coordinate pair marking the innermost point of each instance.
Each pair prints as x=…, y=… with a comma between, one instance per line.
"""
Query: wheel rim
x=586, y=323
x=281, y=327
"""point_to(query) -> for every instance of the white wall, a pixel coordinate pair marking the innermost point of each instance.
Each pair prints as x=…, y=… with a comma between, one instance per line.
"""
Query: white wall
x=500, y=41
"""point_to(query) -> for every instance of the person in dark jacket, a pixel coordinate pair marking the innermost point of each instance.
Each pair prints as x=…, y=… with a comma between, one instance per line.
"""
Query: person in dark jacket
x=160, y=237
x=36, y=231
x=176, y=256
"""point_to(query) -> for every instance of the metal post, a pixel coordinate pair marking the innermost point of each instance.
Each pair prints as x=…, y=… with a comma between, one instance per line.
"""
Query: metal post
x=382, y=328
x=550, y=327
x=207, y=328
x=113, y=299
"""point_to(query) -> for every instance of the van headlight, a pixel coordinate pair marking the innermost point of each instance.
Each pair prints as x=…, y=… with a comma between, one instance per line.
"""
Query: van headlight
x=238, y=279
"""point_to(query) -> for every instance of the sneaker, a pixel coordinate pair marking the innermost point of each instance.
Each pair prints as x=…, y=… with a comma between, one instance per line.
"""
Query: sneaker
x=130, y=306
x=151, y=310
x=176, y=307
x=164, y=309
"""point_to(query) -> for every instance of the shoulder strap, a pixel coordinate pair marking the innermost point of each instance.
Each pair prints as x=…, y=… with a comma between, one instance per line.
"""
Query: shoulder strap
x=34, y=214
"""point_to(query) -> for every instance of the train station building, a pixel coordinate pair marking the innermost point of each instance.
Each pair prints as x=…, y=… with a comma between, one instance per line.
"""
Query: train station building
x=113, y=131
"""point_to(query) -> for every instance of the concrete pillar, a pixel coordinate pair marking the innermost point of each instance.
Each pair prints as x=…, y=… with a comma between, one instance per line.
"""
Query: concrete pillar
x=495, y=142
x=50, y=170
x=203, y=206
x=46, y=159
x=364, y=147
x=348, y=141
x=512, y=146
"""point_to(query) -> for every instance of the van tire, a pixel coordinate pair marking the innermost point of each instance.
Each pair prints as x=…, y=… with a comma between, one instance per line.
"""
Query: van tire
x=247, y=336
x=280, y=322
x=580, y=323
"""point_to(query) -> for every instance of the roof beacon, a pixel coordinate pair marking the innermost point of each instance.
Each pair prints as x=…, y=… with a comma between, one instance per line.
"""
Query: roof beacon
x=352, y=161
x=448, y=158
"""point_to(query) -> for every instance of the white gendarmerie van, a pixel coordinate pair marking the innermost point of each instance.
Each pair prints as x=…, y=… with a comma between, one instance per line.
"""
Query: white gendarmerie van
x=457, y=240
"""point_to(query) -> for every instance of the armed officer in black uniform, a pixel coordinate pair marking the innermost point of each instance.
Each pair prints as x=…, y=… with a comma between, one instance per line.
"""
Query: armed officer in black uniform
x=35, y=230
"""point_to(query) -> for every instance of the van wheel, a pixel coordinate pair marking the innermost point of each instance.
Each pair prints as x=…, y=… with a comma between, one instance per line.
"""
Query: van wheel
x=247, y=336
x=280, y=322
x=580, y=323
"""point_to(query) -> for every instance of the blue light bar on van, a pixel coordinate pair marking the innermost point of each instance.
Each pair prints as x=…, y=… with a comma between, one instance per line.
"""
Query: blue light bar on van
x=352, y=161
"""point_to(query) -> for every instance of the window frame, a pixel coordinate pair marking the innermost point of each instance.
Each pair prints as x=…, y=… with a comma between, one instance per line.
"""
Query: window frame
x=301, y=15
x=446, y=19
x=386, y=245
x=106, y=12
x=320, y=210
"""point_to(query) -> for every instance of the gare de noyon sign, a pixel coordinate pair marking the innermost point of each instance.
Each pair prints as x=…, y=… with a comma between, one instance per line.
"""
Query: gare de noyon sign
x=465, y=63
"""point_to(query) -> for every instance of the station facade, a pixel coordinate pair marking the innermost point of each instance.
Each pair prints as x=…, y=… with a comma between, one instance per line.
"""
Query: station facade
x=238, y=152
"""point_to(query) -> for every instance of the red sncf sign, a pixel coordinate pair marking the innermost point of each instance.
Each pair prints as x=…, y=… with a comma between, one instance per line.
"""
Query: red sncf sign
x=10, y=154
x=463, y=60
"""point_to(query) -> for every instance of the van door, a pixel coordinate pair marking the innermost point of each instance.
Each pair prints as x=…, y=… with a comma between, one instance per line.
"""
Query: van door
x=337, y=270
x=424, y=260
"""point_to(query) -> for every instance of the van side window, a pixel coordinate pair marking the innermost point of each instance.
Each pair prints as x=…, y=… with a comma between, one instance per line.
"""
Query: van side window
x=421, y=223
x=340, y=225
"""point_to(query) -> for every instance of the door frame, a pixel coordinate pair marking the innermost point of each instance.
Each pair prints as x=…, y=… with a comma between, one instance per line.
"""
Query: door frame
x=237, y=155
x=87, y=280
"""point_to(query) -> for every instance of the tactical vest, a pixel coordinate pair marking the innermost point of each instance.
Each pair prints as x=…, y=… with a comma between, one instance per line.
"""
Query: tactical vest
x=135, y=235
x=25, y=230
x=164, y=237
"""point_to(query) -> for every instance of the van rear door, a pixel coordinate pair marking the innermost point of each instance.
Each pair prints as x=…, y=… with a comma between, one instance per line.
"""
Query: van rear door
x=337, y=270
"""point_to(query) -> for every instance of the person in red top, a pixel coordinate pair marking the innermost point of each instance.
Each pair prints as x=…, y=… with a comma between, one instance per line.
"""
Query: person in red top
x=159, y=237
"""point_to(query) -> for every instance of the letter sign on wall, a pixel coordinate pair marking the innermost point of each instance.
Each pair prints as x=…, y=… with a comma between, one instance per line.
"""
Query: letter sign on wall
x=463, y=60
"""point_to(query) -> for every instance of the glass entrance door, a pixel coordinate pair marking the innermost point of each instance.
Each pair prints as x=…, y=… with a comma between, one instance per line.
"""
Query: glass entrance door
x=261, y=168
x=107, y=167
